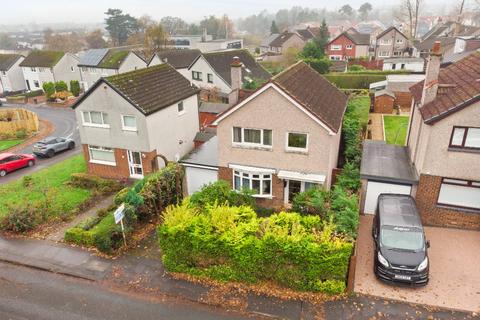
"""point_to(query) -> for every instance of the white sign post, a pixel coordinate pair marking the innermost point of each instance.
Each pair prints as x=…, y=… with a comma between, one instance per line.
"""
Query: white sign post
x=119, y=214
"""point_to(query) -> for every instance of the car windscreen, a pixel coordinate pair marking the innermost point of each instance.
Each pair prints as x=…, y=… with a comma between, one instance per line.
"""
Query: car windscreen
x=402, y=238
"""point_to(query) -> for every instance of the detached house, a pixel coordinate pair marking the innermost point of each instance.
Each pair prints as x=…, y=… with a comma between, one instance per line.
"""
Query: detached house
x=97, y=63
x=49, y=66
x=126, y=121
x=392, y=43
x=281, y=140
x=280, y=43
x=348, y=45
x=11, y=75
x=211, y=71
x=180, y=59
x=439, y=165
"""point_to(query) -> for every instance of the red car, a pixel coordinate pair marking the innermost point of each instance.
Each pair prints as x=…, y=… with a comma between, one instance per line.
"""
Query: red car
x=10, y=162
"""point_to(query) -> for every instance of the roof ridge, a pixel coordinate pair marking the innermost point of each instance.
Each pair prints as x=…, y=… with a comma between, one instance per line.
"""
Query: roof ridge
x=287, y=69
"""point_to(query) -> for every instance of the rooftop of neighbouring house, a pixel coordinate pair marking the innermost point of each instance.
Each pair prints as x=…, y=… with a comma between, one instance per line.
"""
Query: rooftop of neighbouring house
x=204, y=155
x=179, y=58
x=104, y=58
x=149, y=89
x=313, y=92
x=355, y=36
x=213, y=107
x=8, y=60
x=282, y=38
x=386, y=162
x=459, y=87
x=42, y=59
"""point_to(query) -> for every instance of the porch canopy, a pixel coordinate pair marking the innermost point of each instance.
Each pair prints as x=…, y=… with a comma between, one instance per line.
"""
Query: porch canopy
x=299, y=176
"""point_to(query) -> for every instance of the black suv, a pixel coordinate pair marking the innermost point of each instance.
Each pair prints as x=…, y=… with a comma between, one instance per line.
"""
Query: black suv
x=400, y=245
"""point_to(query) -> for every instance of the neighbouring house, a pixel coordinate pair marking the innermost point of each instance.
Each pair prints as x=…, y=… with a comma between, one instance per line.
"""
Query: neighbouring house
x=309, y=33
x=281, y=140
x=11, y=75
x=211, y=72
x=392, y=43
x=209, y=111
x=203, y=42
x=404, y=63
x=373, y=28
x=49, y=66
x=283, y=42
x=439, y=164
x=97, y=63
x=128, y=121
x=394, y=93
x=265, y=45
x=180, y=59
x=348, y=45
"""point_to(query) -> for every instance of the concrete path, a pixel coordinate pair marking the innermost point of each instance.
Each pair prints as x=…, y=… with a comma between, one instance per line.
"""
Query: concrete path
x=60, y=233
x=376, y=126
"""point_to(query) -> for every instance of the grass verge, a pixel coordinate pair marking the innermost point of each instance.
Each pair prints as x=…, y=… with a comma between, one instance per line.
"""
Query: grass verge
x=5, y=144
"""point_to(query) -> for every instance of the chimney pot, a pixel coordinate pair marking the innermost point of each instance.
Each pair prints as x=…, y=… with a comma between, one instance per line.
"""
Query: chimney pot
x=437, y=48
x=236, y=62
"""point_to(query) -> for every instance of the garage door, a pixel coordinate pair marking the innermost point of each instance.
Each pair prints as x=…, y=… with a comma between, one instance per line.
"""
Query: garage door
x=374, y=189
x=198, y=177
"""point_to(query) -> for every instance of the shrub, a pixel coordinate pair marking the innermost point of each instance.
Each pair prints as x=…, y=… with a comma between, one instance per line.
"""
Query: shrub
x=75, y=87
x=88, y=181
x=322, y=65
x=120, y=196
x=61, y=86
x=21, y=134
x=345, y=211
x=27, y=181
x=232, y=243
x=62, y=95
x=349, y=179
x=356, y=67
x=34, y=93
x=107, y=235
x=313, y=201
x=220, y=192
x=22, y=219
x=79, y=236
x=49, y=89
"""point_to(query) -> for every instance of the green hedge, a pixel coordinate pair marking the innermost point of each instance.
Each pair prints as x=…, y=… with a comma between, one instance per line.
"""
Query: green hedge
x=232, y=243
x=354, y=80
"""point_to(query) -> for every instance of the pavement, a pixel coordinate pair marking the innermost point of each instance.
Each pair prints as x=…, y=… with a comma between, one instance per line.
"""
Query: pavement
x=65, y=125
x=454, y=265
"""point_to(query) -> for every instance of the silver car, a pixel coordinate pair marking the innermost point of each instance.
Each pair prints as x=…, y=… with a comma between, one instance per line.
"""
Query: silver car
x=50, y=146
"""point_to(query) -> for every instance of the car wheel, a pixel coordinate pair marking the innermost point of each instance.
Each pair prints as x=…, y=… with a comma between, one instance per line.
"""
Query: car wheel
x=3, y=173
x=50, y=153
x=71, y=145
x=31, y=163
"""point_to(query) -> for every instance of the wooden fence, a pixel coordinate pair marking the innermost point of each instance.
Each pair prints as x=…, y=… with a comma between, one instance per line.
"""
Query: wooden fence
x=14, y=120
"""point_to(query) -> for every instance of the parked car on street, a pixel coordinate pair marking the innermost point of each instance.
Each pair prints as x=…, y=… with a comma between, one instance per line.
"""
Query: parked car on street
x=50, y=146
x=400, y=254
x=10, y=162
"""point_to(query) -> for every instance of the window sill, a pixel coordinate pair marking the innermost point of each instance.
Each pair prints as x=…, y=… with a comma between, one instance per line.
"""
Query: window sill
x=96, y=126
x=181, y=113
x=464, y=210
x=112, y=164
x=258, y=196
x=465, y=150
x=297, y=151
x=130, y=129
x=252, y=147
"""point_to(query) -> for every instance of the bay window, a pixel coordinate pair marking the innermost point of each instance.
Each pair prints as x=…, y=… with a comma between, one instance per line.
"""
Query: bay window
x=459, y=193
x=254, y=137
x=465, y=137
x=260, y=184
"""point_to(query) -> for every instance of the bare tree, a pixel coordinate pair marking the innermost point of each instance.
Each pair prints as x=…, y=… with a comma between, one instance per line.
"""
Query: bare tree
x=409, y=13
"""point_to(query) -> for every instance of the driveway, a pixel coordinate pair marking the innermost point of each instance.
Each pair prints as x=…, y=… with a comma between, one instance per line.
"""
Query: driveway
x=65, y=126
x=454, y=270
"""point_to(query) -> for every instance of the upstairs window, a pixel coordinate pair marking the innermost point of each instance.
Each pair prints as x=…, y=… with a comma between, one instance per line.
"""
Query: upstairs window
x=209, y=78
x=336, y=47
x=349, y=46
x=196, y=75
x=465, y=137
x=129, y=123
x=297, y=141
x=33, y=69
x=259, y=137
x=180, y=108
x=95, y=119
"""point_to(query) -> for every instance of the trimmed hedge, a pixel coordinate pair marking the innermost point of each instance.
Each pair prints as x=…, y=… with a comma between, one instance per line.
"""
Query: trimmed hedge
x=232, y=243
x=354, y=80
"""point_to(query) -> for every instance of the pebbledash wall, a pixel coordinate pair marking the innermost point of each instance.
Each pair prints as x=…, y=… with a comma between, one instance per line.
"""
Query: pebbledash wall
x=121, y=169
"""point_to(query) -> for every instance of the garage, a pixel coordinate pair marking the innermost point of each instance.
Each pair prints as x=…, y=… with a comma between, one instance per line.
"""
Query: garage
x=374, y=189
x=385, y=169
x=201, y=166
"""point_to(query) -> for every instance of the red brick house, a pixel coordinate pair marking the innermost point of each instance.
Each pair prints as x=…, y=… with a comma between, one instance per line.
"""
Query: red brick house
x=348, y=45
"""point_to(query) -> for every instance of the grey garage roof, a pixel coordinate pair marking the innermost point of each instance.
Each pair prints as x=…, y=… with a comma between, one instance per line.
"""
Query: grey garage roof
x=386, y=163
x=204, y=156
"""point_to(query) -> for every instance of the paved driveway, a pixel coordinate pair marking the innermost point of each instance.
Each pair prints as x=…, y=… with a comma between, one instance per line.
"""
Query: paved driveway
x=454, y=269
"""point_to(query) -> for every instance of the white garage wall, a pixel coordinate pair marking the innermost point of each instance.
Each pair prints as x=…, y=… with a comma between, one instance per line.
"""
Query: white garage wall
x=374, y=189
x=198, y=177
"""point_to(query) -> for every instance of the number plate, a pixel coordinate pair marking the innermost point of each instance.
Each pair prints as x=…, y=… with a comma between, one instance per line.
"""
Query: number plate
x=402, y=277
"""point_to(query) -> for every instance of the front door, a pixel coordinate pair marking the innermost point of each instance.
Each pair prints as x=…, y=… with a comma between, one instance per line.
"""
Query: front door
x=293, y=188
x=135, y=164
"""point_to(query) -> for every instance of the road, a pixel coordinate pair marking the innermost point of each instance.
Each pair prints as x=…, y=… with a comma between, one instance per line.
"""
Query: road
x=65, y=126
x=31, y=294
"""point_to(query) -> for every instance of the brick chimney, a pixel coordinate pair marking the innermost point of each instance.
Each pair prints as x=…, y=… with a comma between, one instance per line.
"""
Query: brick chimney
x=236, y=75
x=430, y=86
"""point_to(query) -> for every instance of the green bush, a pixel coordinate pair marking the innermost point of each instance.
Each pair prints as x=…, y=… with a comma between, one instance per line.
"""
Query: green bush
x=107, y=235
x=22, y=219
x=220, y=192
x=349, y=179
x=356, y=67
x=49, y=89
x=345, y=211
x=353, y=80
x=34, y=93
x=79, y=236
x=21, y=134
x=313, y=201
x=232, y=243
x=121, y=196
x=321, y=65
x=61, y=86
x=89, y=181
x=75, y=87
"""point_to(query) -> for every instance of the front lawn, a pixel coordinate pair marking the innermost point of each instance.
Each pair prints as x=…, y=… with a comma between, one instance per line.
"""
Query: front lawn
x=49, y=183
x=5, y=144
x=395, y=129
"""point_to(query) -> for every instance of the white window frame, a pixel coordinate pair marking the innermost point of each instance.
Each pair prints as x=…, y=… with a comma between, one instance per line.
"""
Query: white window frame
x=33, y=69
x=182, y=105
x=336, y=47
x=349, y=46
x=262, y=177
x=127, y=128
x=36, y=83
x=384, y=54
x=335, y=57
x=295, y=149
x=251, y=144
x=104, y=149
x=199, y=75
x=95, y=125
x=386, y=41
x=473, y=185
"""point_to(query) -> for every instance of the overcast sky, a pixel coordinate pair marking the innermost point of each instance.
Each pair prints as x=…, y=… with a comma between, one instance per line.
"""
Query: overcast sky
x=88, y=11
